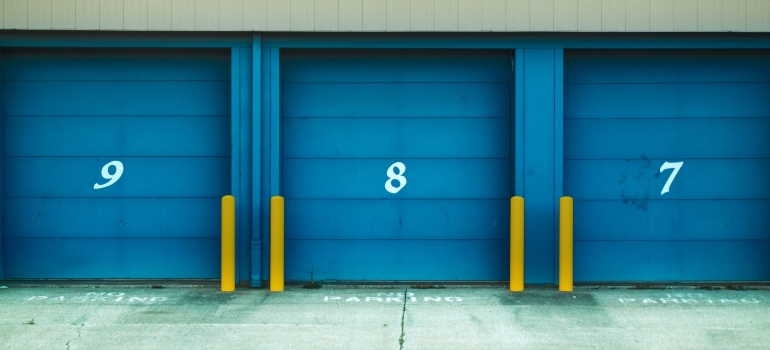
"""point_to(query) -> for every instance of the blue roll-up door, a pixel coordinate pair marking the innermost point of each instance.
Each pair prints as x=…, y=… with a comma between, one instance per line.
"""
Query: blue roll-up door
x=114, y=162
x=353, y=120
x=667, y=154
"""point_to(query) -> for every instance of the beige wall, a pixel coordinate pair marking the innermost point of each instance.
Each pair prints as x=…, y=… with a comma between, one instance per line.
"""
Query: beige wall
x=391, y=15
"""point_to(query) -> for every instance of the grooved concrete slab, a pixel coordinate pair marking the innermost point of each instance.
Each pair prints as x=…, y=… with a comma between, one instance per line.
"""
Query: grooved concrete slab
x=201, y=317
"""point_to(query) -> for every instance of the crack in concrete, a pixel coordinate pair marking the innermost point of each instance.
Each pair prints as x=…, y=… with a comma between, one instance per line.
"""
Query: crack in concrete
x=79, y=335
x=403, y=313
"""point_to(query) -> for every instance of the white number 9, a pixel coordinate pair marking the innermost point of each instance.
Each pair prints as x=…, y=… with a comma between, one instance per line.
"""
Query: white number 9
x=114, y=177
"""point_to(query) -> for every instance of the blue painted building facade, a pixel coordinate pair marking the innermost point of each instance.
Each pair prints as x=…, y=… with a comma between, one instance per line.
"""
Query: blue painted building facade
x=396, y=154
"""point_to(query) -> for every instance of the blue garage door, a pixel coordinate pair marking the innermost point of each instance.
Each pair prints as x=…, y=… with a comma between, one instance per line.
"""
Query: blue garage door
x=667, y=154
x=396, y=165
x=114, y=162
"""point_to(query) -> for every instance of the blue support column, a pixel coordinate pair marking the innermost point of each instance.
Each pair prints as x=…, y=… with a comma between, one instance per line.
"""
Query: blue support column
x=240, y=138
x=240, y=154
x=559, y=126
x=518, y=124
x=243, y=254
x=538, y=155
x=558, y=157
x=275, y=123
x=270, y=142
x=256, y=161
x=235, y=139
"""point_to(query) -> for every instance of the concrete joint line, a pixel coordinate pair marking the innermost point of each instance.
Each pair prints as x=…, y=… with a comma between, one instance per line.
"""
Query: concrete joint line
x=403, y=313
x=79, y=335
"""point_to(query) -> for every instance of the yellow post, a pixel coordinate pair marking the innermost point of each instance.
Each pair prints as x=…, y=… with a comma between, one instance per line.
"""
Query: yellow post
x=276, y=244
x=517, y=244
x=228, y=243
x=565, y=244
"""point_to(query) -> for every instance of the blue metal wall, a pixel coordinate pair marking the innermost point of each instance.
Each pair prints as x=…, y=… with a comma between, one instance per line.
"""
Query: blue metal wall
x=624, y=106
x=163, y=114
x=348, y=116
x=627, y=113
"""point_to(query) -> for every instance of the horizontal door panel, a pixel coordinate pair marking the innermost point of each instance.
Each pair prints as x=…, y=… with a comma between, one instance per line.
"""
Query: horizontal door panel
x=112, y=258
x=425, y=178
x=402, y=100
x=390, y=260
x=641, y=179
x=675, y=261
x=664, y=219
x=117, y=136
x=720, y=100
x=117, y=98
x=397, y=219
x=363, y=66
x=141, y=177
x=44, y=64
x=667, y=138
x=669, y=66
x=112, y=217
x=396, y=137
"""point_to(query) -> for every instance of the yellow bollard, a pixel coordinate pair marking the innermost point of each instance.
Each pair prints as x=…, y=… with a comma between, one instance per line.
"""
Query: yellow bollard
x=276, y=243
x=565, y=244
x=228, y=243
x=517, y=244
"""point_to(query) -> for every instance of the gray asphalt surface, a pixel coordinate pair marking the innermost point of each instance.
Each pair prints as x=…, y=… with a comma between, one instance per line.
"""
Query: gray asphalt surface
x=176, y=316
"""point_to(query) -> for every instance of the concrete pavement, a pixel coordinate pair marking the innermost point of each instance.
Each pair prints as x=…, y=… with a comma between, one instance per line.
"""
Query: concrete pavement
x=174, y=316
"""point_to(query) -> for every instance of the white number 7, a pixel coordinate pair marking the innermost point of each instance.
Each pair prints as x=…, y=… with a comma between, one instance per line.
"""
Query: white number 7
x=676, y=166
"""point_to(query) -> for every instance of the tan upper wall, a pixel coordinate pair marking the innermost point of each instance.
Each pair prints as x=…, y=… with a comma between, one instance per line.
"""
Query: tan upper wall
x=390, y=15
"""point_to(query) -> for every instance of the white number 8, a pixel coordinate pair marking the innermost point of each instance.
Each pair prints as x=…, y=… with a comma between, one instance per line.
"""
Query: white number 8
x=114, y=177
x=398, y=177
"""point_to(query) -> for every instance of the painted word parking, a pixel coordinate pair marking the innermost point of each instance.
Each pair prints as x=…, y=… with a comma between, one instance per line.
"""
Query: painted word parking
x=98, y=298
x=688, y=299
x=392, y=298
